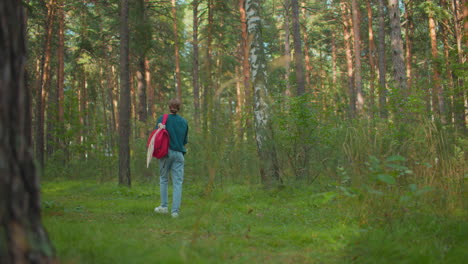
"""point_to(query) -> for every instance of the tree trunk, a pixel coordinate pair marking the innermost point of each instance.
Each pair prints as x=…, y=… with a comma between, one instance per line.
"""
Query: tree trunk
x=308, y=66
x=208, y=89
x=371, y=58
x=149, y=90
x=141, y=76
x=124, y=105
x=61, y=63
x=445, y=29
x=176, y=51
x=22, y=235
x=357, y=56
x=195, y=81
x=437, y=91
x=409, y=30
x=382, y=62
x=287, y=46
x=298, y=60
x=44, y=83
x=334, y=59
x=399, y=69
x=459, y=103
x=266, y=149
x=349, y=57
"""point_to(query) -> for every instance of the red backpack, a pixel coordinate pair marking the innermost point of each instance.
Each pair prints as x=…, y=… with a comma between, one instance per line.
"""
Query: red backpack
x=160, y=138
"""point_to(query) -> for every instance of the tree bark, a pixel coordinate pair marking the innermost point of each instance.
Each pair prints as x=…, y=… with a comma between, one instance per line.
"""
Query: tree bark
x=266, y=149
x=287, y=46
x=23, y=238
x=176, y=51
x=371, y=58
x=349, y=57
x=124, y=105
x=357, y=56
x=44, y=83
x=409, y=32
x=298, y=60
x=61, y=62
x=195, y=80
x=459, y=102
x=382, y=62
x=437, y=89
x=141, y=76
x=399, y=69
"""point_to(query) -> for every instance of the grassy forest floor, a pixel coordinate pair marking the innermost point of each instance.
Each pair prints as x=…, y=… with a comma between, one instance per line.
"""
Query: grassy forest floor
x=95, y=222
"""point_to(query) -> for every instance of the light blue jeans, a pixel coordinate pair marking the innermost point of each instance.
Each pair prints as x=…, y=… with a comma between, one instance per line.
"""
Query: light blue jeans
x=173, y=162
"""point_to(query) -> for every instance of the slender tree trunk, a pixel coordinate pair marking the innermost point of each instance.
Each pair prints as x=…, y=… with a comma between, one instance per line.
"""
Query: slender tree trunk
x=141, y=76
x=176, y=51
x=349, y=57
x=195, y=81
x=124, y=105
x=308, y=66
x=382, y=62
x=437, y=92
x=23, y=237
x=247, y=87
x=445, y=29
x=334, y=59
x=371, y=58
x=61, y=63
x=149, y=89
x=298, y=60
x=409, y=32
x=357, y=56
x=208, y=89
x=399, y=69
x=287, y=45
x=459, y=103
x=44, y=83
x=269, y=170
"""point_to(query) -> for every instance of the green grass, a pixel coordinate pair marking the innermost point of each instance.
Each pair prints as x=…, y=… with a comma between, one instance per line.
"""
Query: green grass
x=91, y=222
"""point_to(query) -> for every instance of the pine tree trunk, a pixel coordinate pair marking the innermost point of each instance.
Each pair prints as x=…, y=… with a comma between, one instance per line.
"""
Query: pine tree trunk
x=22, y=235
x=298, y=60
x=334, y=59
x=459, y=102
x=61, y=63
x=382, y=62
x=44, y=84
x=176, y=51
x=357, y=56
x=195, y=81
x=141, y=76
x=349, y=57
x=149, y=90
x=287, y=46
x=308, y=66
x=437, y=91
x=124, y=105
x=399, y=69
x=445, y=29
x=409, y=32
x=269, y=170
x=371, y=58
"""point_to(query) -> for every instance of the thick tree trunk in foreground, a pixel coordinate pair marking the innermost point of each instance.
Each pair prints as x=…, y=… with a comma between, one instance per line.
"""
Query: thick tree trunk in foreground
x=23, y=238
x=264, y=134
x=124, y=106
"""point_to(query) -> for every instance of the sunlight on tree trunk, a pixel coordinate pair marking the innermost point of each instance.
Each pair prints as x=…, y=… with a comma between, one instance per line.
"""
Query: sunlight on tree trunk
x=264, y=134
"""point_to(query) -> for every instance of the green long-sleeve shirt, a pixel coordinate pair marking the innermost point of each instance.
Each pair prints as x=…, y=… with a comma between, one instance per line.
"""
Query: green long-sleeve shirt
x=177, y=127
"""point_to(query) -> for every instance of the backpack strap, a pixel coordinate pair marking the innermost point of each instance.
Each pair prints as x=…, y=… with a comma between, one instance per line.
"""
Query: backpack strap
x=164, y=119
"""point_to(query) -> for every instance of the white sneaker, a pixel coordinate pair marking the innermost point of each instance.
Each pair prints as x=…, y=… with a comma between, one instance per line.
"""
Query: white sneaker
x=175, y=215
x=161, y=210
